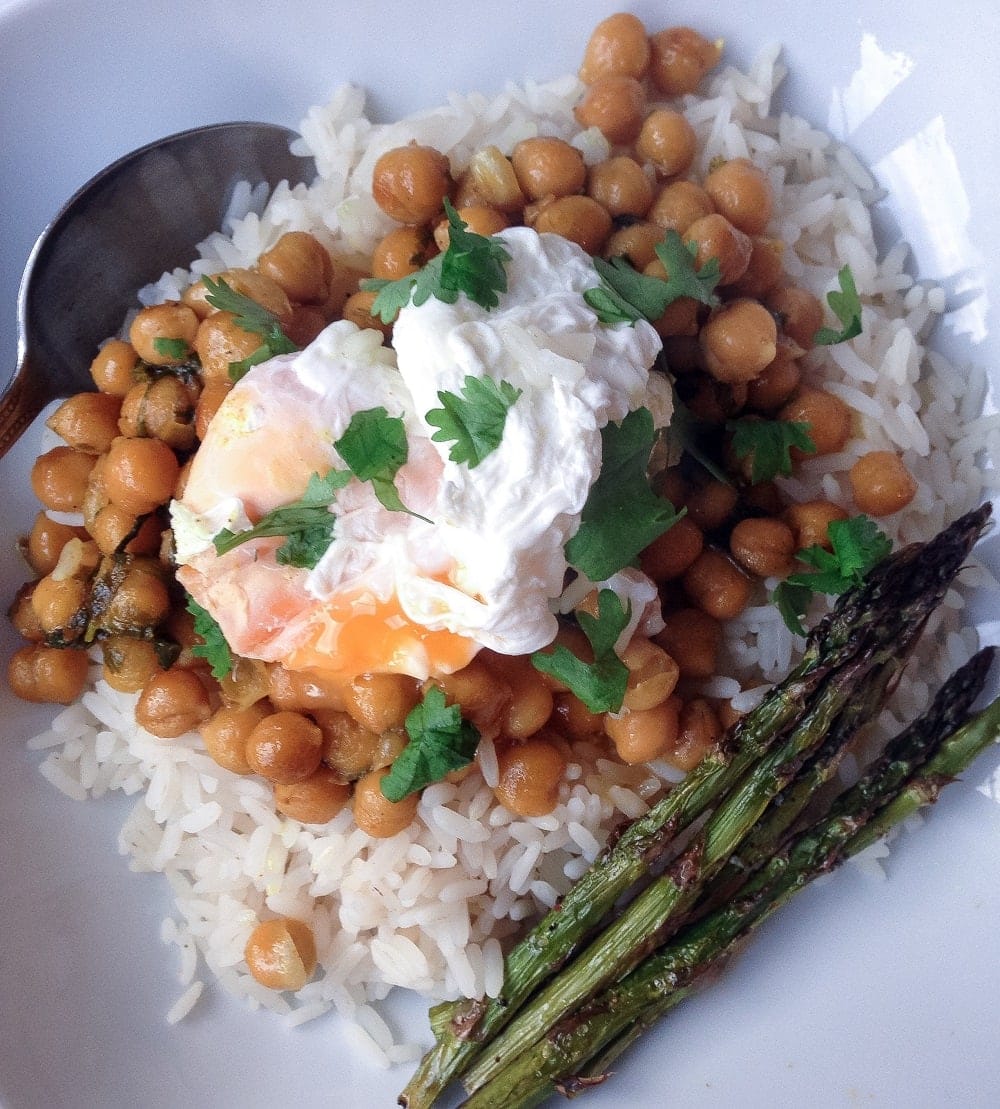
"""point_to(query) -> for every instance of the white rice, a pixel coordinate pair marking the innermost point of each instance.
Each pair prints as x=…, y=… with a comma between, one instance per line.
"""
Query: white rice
x=429, y=909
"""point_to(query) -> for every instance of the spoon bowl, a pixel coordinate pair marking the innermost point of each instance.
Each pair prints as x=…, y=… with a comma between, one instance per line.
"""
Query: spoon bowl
x=139, y=217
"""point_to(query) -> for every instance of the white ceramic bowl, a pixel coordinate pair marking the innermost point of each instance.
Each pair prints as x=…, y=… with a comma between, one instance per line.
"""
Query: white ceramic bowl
x=861, y=992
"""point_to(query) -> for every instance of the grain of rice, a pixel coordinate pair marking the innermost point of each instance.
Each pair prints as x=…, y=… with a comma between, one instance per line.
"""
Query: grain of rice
x=185, y=1003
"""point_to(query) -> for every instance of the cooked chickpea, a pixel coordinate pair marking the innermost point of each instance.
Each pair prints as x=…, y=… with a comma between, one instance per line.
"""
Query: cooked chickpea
x=671, y=553
x=828, y=417
x=301, y=265
x=692, y=638
x=652, y=674
x=640, y=735
x=22, y=614
x=680, y=58
x=213, y=393
x=409, y=183
x=490, y=180
x=711, y=503
x=163, y=334
x=87, y=422
x=477, y=218
x=572, y=718
x=637, y=242
x=881, y=483
x=141, y=601
x=620, y=186
x=304, y=324
x=163, y=408
x=765, y=547
x=679, y=204
x=667, y=141
x=112, y=526
x=172, y=703
x=715, y=237
x=577, y=218
x=799, y=313
x=530, y=775
x=381, y=701
x=129, y=663
x=303, y=690
x=59, y=478
x=483, y=695
x=548, y=167
x=717, y=585
x=46, y=540
x=775, y=383
x=281, y=953
x=349, y=748
x=285, y=747
x=810, y=522
x=260, y=288
x=764, y=270
x=315, y=800
x=680, y=317
x=358, y=309
x=742, y=193
x=739, y=340
x=60, y=605
x=113, y=367
x=618, y=46
x=615, y=106
x=140, y=474
x=375, y=814
x=219, y=342
x=402, y=252
x=698, y=730
x=531, y=699
x=344, y=281
x=47, y=675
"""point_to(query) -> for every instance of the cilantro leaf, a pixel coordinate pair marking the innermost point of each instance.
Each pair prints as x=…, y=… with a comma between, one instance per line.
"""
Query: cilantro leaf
x=857, y=544
x=472, y=264
x=171, y=348
x=252, y=317
x=600, y=684
x=622, y=515
x=846, y=305
x=374, y=447
x=307, y=524
x=688, y=433
x=475, y=420
x=440, y=741
x=768, y=444
x=213, y=647
x=625, y=295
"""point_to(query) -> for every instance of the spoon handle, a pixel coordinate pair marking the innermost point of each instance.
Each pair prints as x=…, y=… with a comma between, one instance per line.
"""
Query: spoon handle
x=21, y=402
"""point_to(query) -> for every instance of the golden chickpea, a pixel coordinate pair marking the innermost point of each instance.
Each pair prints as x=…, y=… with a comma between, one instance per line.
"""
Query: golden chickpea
x=140, y=602
x=349, y=748
x=47, y=675
x=163, y=334
x=680, y=58
x=775, y=383
x=172, y=703
x=315, y=800
x=678, y=204
x=711, y=503
x=113, y=367
x=87, y=422
x=381, y=701
x=281, y=953
x=59, y=478
x=285, y=747
x=375, y=814
x=577, y=218
x=60, y=605
x=617, y=46
x=112, y=526
x=531, y=698
x=303, y=690
x=717, y=585
x=129, y=663
x=219, y=342
x=765, y=547
x=764, y=270
x=715, y=237
x=162, y=408
x=810, y=521
x=213, y=393
x=572, y=718
x=140, y=474
x=680, y=317
x=637, y=242
x=477, y=218
x=652, y=674
x=641, y=735
x=799, y=313
x=344, y=281
x=828, y=417
x=409, y=183
x=402, y=252
x=260, y=288
x=548, y=167
x=304, y=324
x=739, y=340
x=615, y=106
x=669, y=555
x=620, y=186
x=301, y=265
x=530, y=775
x=692, y=638
x=742, y=193
x=667, y=141
x=22, y=614
x=881, y=483
x=573, y=639
x=698, y=731
x=358, y=309
x=490, y=180
x=45, y=542
x=484, y=696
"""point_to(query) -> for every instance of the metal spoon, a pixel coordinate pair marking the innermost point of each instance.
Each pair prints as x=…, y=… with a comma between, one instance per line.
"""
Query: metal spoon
x=136, y=219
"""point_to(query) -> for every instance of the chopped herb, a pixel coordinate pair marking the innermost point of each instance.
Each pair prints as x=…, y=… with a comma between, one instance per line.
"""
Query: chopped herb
x=857, y=545
x=599, y=684
x=252, y=317
x=171, y=348
x=846, y=305
x=307, y=524
x=768, y=445
x=374, y=447
x=625, y=295
x=213, y=647
x=440, y=741
x=473, y=264
x=688, y=433
x=473, y=421
x=622, y=515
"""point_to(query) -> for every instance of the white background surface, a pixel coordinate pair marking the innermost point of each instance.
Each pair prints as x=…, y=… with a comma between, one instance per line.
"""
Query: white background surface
x=862, y=993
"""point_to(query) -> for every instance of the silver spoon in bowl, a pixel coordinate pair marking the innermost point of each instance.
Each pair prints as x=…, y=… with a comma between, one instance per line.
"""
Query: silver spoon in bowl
x=138, y=218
